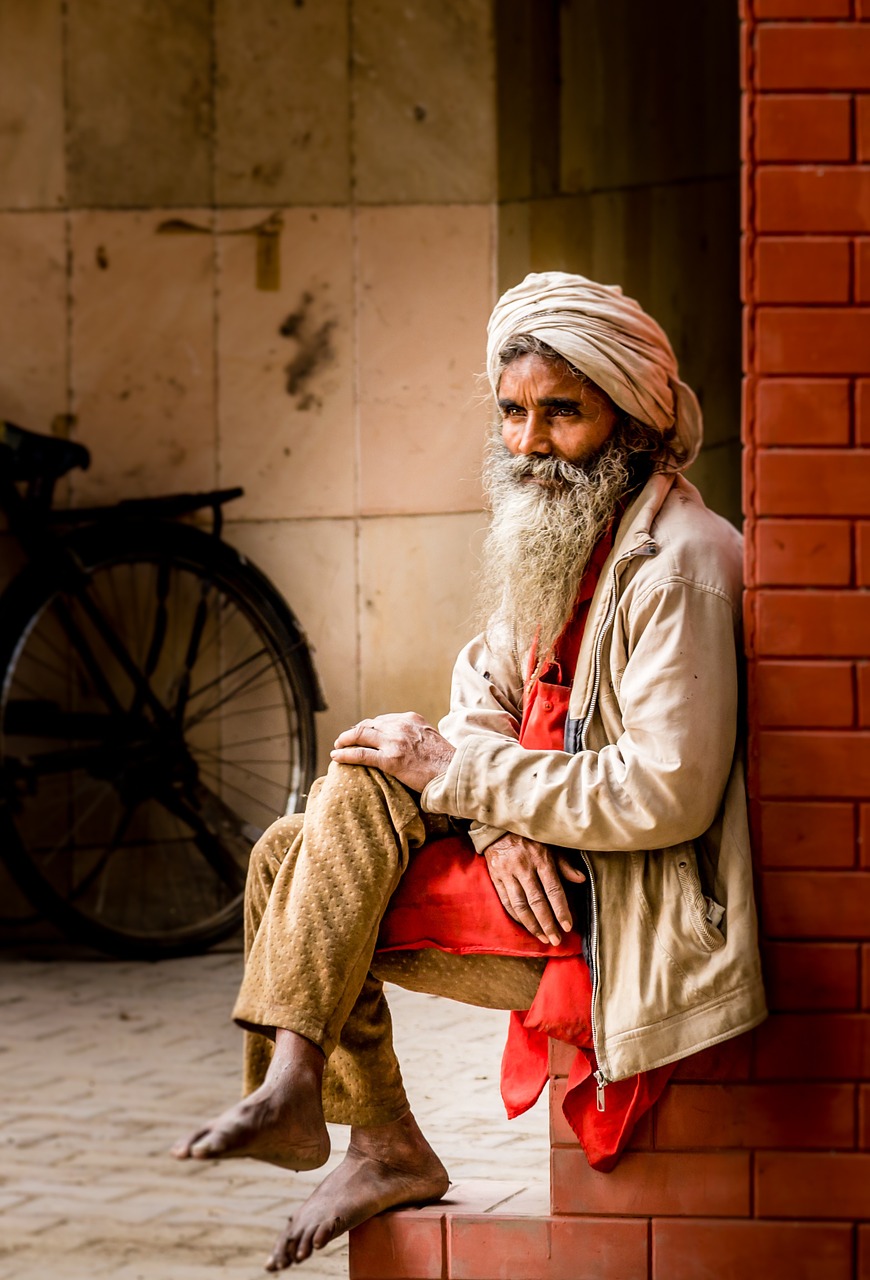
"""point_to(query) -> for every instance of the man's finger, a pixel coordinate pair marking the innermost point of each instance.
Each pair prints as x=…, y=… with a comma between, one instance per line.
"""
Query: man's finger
x=568, y=871
x=555, y=891
x=533, y=908
x=503, y=898
x=356, y=755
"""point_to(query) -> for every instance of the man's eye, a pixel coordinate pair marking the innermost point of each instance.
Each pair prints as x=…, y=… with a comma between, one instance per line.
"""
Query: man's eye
x=513, y=411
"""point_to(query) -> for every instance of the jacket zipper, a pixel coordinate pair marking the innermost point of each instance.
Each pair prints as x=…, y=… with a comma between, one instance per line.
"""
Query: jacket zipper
x=601, y=1081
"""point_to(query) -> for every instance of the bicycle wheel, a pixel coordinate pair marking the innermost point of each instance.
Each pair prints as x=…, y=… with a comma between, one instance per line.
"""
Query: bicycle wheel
x=156, y=714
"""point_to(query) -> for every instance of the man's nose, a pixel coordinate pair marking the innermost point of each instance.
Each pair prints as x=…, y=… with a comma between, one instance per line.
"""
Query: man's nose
x=534, y=437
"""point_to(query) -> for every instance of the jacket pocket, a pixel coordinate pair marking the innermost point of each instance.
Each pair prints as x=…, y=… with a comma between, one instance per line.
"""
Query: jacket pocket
x=701, y=912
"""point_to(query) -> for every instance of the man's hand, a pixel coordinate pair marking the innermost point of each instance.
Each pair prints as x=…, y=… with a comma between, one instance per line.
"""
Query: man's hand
x=403, y=745
x=528, y=880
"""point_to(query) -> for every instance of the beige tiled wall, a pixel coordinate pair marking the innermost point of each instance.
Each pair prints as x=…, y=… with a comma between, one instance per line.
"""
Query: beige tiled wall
x=141, y=146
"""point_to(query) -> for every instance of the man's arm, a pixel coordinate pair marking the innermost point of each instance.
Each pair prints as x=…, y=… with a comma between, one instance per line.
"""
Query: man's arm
x=662, y=782
x=486, y=697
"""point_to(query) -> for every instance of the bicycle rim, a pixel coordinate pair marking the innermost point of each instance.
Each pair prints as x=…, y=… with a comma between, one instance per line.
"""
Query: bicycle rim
x=147, y=760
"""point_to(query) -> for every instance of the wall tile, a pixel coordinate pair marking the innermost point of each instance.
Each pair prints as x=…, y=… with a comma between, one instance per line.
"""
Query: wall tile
x=33, y=322
x=31, y=111
x=426, y=293
x=285, y=414
x=416, y=609
x=313, y=565
x=281, y=104
x=424, y=102
x=140, y=115
x=143, y=359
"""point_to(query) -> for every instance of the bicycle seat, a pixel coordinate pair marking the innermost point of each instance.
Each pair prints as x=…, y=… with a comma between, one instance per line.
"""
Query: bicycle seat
x=29, y=455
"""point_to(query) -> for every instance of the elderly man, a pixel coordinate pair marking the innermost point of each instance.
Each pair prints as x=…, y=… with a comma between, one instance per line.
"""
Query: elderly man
x=589, y=757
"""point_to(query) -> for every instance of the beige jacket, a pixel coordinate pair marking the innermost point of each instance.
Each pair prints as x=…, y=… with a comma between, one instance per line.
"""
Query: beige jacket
x=650, y=789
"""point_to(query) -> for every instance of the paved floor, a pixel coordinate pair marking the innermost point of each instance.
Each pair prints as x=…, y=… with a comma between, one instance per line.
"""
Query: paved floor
x=104, y=1063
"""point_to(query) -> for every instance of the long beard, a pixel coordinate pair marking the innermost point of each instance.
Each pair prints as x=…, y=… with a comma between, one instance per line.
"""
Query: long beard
x=547, y=516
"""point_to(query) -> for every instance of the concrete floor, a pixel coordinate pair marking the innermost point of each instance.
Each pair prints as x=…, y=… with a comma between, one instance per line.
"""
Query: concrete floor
x=104, y=1063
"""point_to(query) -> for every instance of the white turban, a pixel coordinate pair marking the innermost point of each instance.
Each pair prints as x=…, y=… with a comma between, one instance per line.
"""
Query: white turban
x=607, y=336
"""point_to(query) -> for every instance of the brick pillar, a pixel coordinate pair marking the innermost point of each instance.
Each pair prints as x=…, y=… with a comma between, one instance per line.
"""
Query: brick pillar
x=806, y=488
x=756, y=1162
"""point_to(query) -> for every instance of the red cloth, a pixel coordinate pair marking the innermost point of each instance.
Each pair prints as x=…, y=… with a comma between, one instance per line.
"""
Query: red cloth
x=447, y=900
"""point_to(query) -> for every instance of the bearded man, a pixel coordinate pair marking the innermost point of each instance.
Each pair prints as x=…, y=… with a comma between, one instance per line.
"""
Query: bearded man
x=570, y=844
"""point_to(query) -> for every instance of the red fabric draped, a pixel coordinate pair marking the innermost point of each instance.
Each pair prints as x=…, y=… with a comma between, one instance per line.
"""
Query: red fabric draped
x=447, y=900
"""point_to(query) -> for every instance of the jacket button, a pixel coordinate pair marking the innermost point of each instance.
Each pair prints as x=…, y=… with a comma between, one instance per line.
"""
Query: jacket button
x=548, y=706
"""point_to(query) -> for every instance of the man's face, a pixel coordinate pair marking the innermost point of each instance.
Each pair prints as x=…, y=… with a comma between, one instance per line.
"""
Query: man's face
x=547, y=411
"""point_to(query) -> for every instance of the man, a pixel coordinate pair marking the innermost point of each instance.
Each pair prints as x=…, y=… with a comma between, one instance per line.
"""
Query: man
x=589, y=756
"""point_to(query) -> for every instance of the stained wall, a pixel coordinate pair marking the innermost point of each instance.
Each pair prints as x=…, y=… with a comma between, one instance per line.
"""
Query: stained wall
x=140, y=147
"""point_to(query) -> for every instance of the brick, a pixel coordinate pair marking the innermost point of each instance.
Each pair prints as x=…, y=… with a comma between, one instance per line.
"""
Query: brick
x=398, y=1246
x=803, y=411
x=864, y=1118
x=816, y=56
x=828, y=763
x=811, y=976
x=816, y=198
x=862, y=126
x=815, y=904
x=513, y=1248
x=862, y=271
x=813, y=624
x=864, y=835
x=661, y=1183
x=729, y=1060
x=797, y=269
x=804, y=694
x=862, y=554
x=809, y=482
x=813, y=340
x=864, y=694
x=704, y=1250
x=807, y=834
x=561, y=1133
x=561, y=1057
x=813, y=1046
x=792, y=1185
x=862, y=411
x=865, y=976
x=804, y=127
x=802, y=9
x=756, y=1115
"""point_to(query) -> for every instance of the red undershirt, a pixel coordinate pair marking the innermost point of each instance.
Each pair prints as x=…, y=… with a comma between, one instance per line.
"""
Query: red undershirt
x=447, y=900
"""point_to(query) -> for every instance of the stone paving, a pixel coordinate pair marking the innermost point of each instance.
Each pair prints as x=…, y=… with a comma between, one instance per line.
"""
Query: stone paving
x=105, y=1062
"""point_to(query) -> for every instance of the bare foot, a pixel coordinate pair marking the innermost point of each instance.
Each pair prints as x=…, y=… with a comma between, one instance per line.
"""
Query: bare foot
x=281, y=1122
x=385, y=1166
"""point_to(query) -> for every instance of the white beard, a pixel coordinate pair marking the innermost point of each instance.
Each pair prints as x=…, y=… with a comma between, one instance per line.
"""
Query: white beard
x=541, y=538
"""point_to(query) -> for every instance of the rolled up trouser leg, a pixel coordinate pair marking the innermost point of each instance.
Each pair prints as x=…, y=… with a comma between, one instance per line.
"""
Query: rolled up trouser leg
x=277, y=847
x=310, y=953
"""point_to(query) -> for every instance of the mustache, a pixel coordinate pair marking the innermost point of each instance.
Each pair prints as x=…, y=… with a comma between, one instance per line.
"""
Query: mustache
x=548, y=471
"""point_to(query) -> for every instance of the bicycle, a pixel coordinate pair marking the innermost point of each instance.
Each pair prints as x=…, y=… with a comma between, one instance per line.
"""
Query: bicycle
x=157, y=701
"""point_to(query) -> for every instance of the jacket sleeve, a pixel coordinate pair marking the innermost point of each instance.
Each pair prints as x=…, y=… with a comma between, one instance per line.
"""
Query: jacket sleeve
x=485, y=699
x=662, y=781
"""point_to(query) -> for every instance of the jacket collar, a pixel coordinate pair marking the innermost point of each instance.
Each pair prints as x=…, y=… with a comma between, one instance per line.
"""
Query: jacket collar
x=635, y=525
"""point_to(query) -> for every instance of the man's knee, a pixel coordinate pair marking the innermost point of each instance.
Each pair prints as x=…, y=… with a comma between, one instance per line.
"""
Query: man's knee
x=273, y=846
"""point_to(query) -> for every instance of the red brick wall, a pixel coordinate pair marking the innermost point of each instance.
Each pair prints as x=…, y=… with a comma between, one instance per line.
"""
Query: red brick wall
x=803, y=1113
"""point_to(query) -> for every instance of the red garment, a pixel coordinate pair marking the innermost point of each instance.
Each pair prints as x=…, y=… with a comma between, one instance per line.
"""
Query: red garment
x=447, y=900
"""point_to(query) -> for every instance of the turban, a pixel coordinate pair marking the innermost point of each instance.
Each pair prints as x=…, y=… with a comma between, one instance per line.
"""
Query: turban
x=607, y=336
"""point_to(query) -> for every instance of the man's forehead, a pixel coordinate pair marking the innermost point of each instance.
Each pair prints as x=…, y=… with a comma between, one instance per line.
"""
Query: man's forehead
x=542, y=379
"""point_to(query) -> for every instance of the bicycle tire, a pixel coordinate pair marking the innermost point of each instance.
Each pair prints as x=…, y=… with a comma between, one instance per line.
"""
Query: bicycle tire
x=128, y=812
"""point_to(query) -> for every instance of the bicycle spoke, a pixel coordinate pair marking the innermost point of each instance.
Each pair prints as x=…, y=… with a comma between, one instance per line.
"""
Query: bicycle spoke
x=220, y=781
x=110, y=851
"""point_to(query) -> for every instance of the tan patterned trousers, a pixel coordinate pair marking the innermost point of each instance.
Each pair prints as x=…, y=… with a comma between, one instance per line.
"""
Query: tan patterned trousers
x=317, y=888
